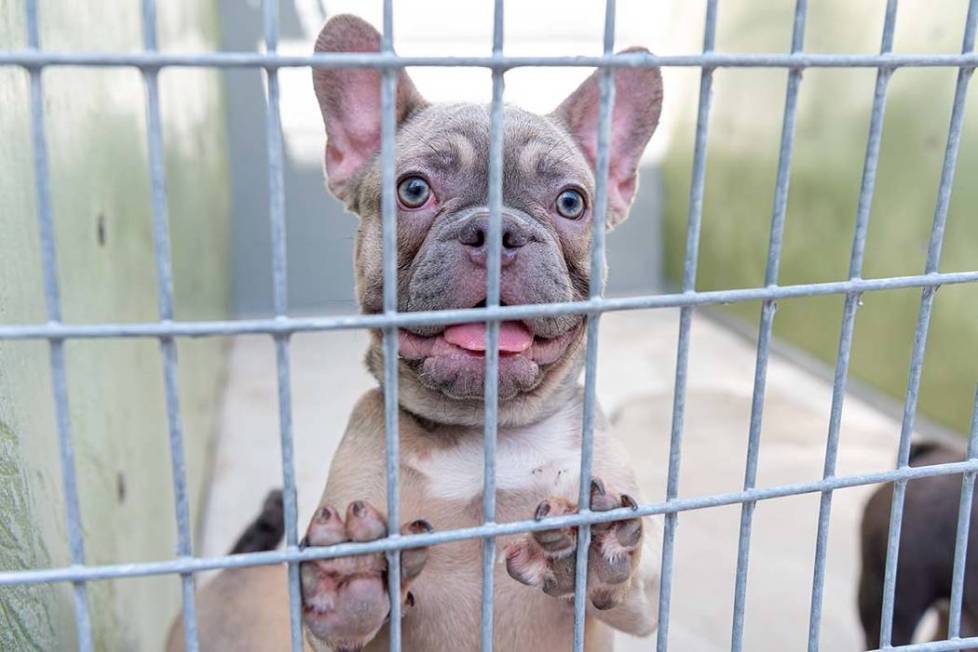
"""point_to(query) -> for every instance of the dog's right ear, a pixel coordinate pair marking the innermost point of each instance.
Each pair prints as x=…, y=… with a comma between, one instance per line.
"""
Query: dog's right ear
x=349, y=99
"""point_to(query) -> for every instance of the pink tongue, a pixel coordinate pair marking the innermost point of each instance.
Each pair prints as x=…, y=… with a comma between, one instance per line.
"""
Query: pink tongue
x=513, y=336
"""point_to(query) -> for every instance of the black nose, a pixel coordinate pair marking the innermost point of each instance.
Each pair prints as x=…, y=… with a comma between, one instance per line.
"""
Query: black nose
x=475, y=234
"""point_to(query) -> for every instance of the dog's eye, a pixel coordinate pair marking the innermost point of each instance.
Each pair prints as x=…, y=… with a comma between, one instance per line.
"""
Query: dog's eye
x=570, y=204
x=413, y=192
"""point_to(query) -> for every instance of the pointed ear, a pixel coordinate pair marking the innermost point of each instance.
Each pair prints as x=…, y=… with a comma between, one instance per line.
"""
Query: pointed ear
x=638, y=102
x=349, y=99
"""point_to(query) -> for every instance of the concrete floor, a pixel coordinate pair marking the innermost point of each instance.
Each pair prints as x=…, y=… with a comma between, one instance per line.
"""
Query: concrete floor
x=637, y=364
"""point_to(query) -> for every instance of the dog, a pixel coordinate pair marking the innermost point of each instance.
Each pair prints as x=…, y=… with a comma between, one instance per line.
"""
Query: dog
x=442, y=154
x=926, y=562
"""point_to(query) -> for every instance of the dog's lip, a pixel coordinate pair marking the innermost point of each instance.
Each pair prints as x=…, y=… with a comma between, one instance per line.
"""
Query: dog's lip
x=542, y=350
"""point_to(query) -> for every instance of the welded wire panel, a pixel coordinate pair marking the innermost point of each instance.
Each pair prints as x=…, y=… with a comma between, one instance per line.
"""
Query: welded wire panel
x=281, y=327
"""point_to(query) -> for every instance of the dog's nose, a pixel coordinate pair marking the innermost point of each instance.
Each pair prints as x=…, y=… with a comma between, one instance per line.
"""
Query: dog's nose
x=474, y=237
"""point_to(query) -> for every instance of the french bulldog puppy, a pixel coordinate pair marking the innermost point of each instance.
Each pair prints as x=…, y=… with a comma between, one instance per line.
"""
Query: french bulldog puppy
x=926, y=562
x=442, y=156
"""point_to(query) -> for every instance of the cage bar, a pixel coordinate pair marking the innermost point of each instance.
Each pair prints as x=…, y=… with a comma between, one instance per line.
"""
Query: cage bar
x=33, y=59
x=768, y=310
x=694, y=223
x=491, y=382
x=276, y=213
x=595, y=291
x=52, y=300
x=963, y=532
x=850, y=307
x=923, y=320
x=388, y=95
x=61, y=331
x=168, y=346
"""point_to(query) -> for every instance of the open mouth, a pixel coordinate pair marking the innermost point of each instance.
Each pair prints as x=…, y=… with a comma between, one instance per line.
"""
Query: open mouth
x=469, y=341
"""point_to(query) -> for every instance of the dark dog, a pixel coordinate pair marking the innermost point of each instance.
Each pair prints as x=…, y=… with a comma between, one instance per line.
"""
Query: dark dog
x=930, y=517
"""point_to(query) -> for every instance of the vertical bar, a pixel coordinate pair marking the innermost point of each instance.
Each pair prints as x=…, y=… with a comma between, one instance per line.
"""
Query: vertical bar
x=168, y=346
x=694, y=222
x=963, y=531
x=492, y=328
x=388, y=99
x=767, y=320
x=52, y=296
x=276, y=212
x=607, y=100
x=923, y=322
x=863, y=210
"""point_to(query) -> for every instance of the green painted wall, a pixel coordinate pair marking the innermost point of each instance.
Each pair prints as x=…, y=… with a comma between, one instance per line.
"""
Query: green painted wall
x=833, y=121
x=100, y=191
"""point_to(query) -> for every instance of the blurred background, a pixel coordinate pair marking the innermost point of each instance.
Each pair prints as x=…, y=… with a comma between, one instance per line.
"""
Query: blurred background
x=218, y=206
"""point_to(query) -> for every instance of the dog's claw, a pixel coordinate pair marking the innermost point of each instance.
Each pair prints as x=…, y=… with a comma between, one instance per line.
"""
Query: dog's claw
x=542, y=510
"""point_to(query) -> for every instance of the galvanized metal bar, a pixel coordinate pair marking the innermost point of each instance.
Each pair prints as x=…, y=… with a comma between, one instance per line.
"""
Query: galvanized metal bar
x=768, y=310
x=31, y=59
x=388, y=95
x=937, y=646
x=852, y=303
x=280, y=293
x=168, y=345
x=693, y=225
x=52, y=300
x=595, y=291
x=923, y=321
x=291, y=325
x=963, y=532
x=491, y=383
x=200, y=564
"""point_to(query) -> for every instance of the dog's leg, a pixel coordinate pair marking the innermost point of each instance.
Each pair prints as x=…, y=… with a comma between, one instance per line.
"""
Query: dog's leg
x=345, y=600
x=621, y=590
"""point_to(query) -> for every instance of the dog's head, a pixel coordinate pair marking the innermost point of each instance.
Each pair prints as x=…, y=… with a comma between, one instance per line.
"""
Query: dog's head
x=442, y=161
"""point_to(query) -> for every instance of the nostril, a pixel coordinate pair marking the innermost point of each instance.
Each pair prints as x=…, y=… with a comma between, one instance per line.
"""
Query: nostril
x=514, y=239
x=473, y=235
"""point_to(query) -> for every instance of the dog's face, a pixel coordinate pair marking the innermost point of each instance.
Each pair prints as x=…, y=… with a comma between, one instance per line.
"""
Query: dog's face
x=441, y=171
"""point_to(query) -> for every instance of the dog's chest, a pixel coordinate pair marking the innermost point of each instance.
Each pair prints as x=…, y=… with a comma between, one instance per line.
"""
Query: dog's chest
x=541, y=459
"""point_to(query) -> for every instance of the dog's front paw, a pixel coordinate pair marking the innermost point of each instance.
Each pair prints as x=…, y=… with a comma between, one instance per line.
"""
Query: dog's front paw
x=345, y=600
x=547, y=559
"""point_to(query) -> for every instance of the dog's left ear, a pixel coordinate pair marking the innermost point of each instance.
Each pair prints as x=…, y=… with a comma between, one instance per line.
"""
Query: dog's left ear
x=638, y=102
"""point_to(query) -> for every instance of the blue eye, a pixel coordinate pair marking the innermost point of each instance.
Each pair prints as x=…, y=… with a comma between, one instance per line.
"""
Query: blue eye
x=413, y=192
x=571, y=204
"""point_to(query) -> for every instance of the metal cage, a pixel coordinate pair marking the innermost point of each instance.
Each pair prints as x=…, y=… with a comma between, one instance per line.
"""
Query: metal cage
x=35, y=59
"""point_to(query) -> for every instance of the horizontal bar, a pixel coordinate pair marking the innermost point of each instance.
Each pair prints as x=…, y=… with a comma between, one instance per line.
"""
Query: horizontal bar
x=34, y=59
x=935, y=646
x=196, y=565
x=59, y=331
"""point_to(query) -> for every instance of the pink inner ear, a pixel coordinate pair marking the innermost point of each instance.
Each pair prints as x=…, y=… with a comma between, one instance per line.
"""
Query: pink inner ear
x=623, y=150
x=638, y=98
x=352, y=123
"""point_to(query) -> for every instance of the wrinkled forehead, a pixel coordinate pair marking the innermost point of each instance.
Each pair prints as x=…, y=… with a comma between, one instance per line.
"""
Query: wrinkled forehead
x=453, y=139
